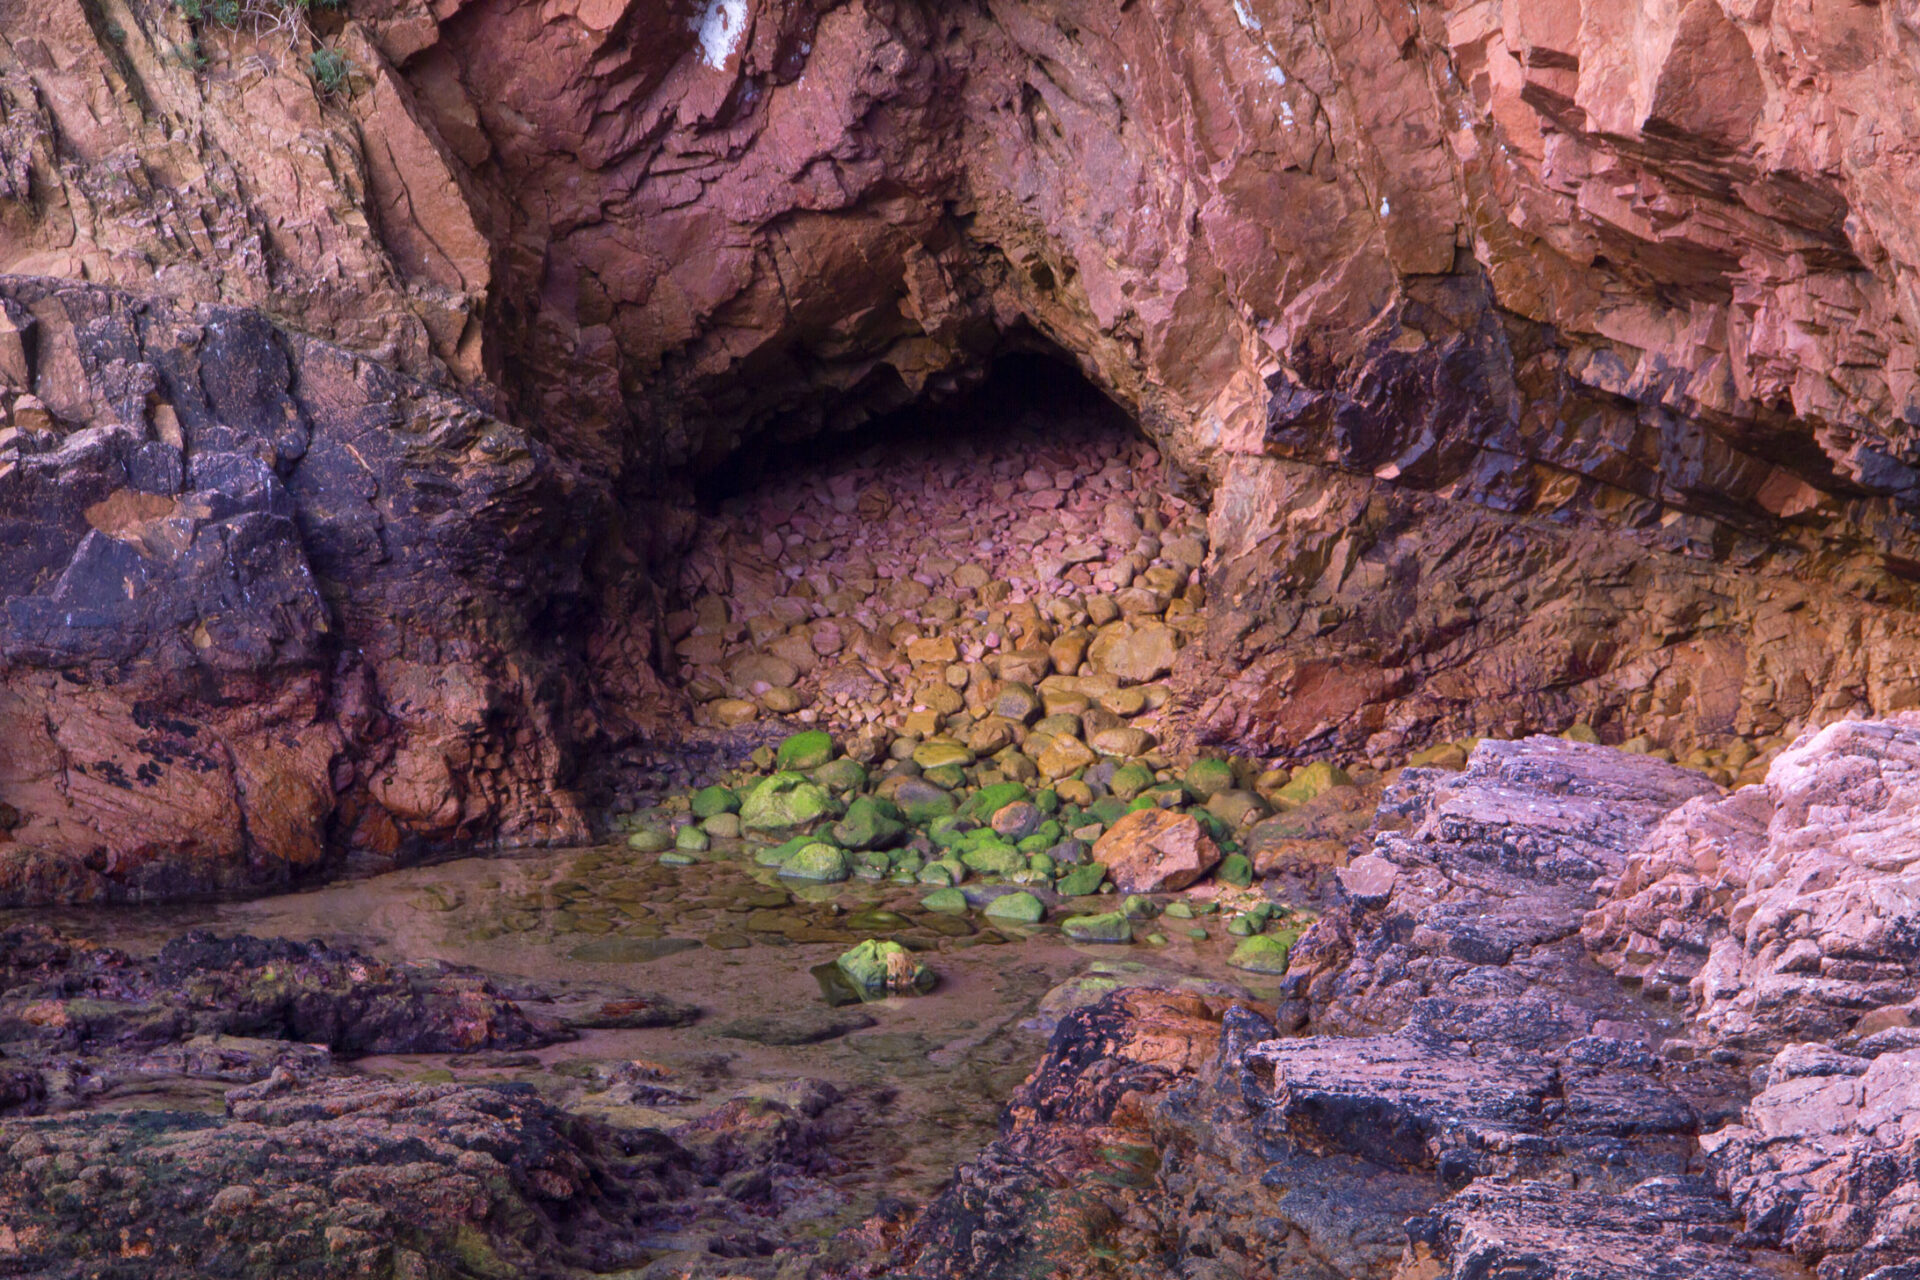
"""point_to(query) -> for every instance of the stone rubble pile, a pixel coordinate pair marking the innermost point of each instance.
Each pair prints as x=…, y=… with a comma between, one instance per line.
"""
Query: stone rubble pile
x=906, y=592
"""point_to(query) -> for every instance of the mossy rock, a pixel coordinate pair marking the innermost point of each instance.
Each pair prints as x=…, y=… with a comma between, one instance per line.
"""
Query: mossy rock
x=944, y=871
x=1129, y=780
x=1261, y=955
x=650, y=840
x=1081, y=881
x=1168, y=795
x=941, y=753
x=711, y=801
x=1310, y=782
x=948, y=902
x=777, y=855
x=871, y=823
x=987, y=801
x=1041, y=840
x=1018, y=908
x=951, y=831
x=877, y=969
x=807, y=750
x=1205, y=777
x=950, y=776
x=921, y=802
x=692, y=840
x=842, y=775
x=818, y=862
x=784, y=801
x=1111, y=926
x=1236, y=869
x=993, y=859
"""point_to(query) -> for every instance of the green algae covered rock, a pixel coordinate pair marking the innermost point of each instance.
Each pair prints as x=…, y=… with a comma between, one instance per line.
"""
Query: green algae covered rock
x=1235, y=869
x=871, y=823
x=1081, y=880
x=941, y=754
x=1019, y=908
x=1129, y=780
x=709, y=802
x=808, y=750
x=777, y=855
x=1111, y=926
x=1261, y=955
x=987, y=801
x=992, y=858
x=922, y=802
x=818, y=862
x=842, y=775
x=948, y=902
x=1309, y=782
x=878, y=969
x=650, y=840
x=783, y=801
x=1204, y=777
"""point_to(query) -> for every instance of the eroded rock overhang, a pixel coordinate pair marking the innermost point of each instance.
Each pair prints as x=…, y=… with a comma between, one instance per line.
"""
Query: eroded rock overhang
x=1547, y=361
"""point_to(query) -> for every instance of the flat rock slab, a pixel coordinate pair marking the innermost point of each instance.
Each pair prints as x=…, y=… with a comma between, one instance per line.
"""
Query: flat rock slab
x=1672, y=1229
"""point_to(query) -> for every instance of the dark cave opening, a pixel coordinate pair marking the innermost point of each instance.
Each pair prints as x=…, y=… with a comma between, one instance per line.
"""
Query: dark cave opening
x=1020, y=390
x=891, y=581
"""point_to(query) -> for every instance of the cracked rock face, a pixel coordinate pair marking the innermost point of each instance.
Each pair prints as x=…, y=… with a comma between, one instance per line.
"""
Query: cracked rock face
x=1790, y=912
x=265, y=598
x=1547, y=363
x=1455, y=1085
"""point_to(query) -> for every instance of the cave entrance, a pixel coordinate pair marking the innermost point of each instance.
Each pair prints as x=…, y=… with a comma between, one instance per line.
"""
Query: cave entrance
x=959, y=572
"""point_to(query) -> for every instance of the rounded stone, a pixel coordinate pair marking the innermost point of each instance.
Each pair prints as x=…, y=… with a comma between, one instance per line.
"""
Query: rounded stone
x=818, y=862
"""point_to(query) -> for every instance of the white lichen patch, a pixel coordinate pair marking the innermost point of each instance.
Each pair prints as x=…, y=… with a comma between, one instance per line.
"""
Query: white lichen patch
x=1385, y=208
x=1245, y=15
x=721, y=28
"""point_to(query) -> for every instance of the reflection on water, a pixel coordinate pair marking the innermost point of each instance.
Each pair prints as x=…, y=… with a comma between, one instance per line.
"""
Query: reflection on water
x=567, y=931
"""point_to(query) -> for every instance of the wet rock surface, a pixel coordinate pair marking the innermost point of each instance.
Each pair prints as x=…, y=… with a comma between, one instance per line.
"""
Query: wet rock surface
x=1441, y=1076
x=1467, y=1091
x=90, y=1022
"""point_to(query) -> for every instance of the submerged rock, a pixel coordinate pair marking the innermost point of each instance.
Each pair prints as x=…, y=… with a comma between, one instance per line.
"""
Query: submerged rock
x=232, y=1009
x=878, y=969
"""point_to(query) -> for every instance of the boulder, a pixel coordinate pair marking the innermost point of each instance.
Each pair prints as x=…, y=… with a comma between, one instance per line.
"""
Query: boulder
x=784, y=801
x=1135, y=652
x=803, y=751
x=1155, y=851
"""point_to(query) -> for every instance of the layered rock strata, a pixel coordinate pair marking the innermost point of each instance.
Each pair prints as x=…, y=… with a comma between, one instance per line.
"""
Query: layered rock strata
x=1467, y=1092
x=1784, y=922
